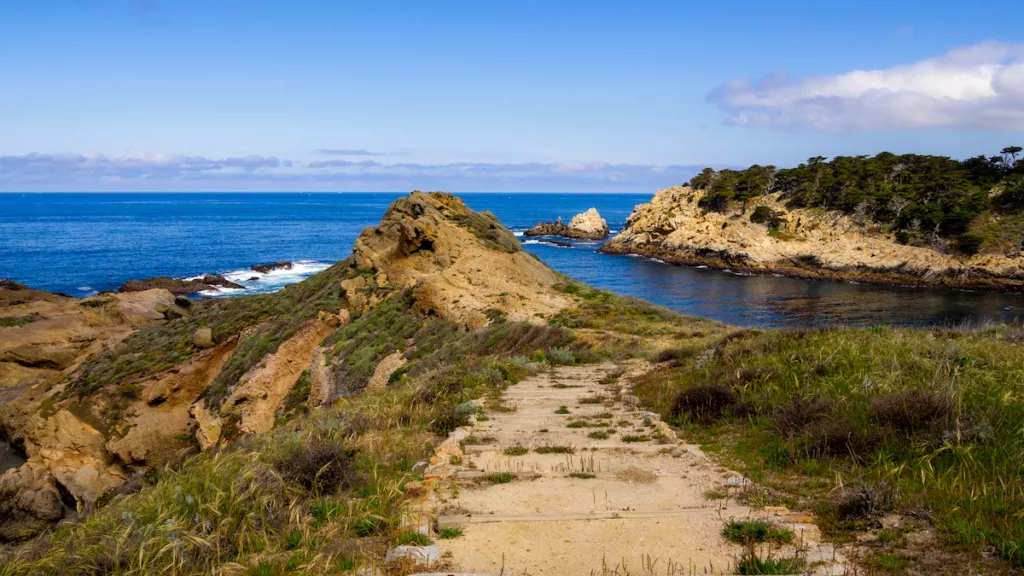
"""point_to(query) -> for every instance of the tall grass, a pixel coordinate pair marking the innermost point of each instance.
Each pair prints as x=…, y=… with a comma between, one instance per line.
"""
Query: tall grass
x=325, y=489
x=916, y=420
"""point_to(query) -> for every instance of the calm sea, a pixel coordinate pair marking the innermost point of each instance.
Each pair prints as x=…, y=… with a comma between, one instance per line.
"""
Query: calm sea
x=80, y=244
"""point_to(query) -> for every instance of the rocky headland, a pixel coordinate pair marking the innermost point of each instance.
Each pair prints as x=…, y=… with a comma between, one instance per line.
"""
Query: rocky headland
x=767, y=237
x=587, y=225
x=95, y=391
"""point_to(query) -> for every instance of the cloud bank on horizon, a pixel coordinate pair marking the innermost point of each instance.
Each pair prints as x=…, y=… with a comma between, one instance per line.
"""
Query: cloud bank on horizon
x=137, y=171
x=979, y=87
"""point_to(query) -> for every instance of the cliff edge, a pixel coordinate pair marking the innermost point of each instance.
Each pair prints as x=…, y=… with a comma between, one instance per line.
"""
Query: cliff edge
x=767, y=237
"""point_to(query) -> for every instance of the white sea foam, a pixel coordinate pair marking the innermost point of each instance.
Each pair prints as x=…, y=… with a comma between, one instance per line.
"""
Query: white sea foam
x=254, y=282
x=553, y=245
x=702, y=267
x=659, y=261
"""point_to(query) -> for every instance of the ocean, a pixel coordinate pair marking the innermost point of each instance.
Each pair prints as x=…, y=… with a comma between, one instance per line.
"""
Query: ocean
x=84, y=243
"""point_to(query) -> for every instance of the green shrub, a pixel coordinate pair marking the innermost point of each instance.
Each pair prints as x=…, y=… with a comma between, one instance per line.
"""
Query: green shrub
x=747, y=531
x=969, y=243
x=450, y=532
x=761, y=214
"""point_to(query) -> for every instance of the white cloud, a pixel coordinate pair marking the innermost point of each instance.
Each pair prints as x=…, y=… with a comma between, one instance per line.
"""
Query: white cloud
x=978, y=87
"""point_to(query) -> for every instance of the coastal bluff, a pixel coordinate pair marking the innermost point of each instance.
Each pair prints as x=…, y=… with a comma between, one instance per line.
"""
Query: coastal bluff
x=766, y=236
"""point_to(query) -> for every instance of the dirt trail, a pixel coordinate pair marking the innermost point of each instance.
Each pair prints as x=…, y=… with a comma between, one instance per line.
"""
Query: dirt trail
x=611, y=506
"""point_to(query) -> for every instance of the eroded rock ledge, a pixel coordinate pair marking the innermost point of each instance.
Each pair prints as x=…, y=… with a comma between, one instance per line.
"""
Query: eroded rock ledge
x=801, y=243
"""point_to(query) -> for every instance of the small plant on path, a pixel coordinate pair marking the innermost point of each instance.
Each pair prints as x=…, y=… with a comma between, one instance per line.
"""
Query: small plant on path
x=450, y=532
x=745, y=531
x=500, y=477
x=555, y=449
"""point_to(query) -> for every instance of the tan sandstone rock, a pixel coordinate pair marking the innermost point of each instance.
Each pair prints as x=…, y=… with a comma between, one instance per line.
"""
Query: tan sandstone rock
x=589, y=223
x=384, y=370
x=809, y=244
x=208, y=426
x=203, y=338
x=261, y=390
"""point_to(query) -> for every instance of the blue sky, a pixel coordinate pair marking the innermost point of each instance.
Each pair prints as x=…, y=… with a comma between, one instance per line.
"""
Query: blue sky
x=488, y=96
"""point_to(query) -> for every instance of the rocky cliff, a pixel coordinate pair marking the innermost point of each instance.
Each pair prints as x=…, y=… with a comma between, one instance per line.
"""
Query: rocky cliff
x=95, y=392
x=767, y=237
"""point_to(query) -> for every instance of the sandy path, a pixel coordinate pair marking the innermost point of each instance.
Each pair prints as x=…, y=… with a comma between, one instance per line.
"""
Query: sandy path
x=643, y=506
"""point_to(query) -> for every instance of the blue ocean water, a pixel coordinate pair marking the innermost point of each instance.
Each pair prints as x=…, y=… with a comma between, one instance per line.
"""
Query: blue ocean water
x=87, y=242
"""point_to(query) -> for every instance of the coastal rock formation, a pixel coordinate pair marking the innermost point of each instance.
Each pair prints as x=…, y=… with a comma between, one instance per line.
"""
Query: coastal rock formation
x=459, y=263
x=589, y=223
x=584, y=226
x=65, y=451
x=180, y=287
x=259, y=394
x=798, y=242
x=264, y=268
x=95, y=391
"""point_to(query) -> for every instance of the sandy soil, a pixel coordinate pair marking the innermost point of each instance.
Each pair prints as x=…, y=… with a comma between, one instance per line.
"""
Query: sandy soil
x=644, y=505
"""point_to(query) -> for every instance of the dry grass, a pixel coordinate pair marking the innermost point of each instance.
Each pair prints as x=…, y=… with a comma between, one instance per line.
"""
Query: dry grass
x=928, y=419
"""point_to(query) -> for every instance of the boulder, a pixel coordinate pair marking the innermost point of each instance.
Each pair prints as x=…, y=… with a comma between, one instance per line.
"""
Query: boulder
x=203, y=338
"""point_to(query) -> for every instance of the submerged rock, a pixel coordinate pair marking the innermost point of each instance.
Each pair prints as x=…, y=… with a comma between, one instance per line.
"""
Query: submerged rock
x=584, y=226
x=264, y=268
x=177, y=286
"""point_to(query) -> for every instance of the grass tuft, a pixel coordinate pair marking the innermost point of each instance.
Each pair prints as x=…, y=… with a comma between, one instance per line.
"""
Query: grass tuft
x=450, y=532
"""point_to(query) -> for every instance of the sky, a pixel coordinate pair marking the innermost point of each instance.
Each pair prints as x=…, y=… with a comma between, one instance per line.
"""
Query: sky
x=629, y=96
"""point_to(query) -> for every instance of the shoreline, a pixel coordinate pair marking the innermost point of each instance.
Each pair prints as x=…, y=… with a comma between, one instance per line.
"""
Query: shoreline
x=717, y=261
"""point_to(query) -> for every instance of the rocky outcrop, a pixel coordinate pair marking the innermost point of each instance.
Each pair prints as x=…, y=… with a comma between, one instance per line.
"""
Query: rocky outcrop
x=158, y=421
x=67, y=459
x=461, y=265
x=584, y=226
x=178, y=286
x=259, y=394
x=85, y=429
x=590, y=224
x=264, y=268
x=800, y=243
x=382, y=373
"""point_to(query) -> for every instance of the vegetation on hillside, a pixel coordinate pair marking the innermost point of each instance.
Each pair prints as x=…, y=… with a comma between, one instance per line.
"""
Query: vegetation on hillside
x=858, y=422
x=276, y=317
x=326, y=491
x=924, y=199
